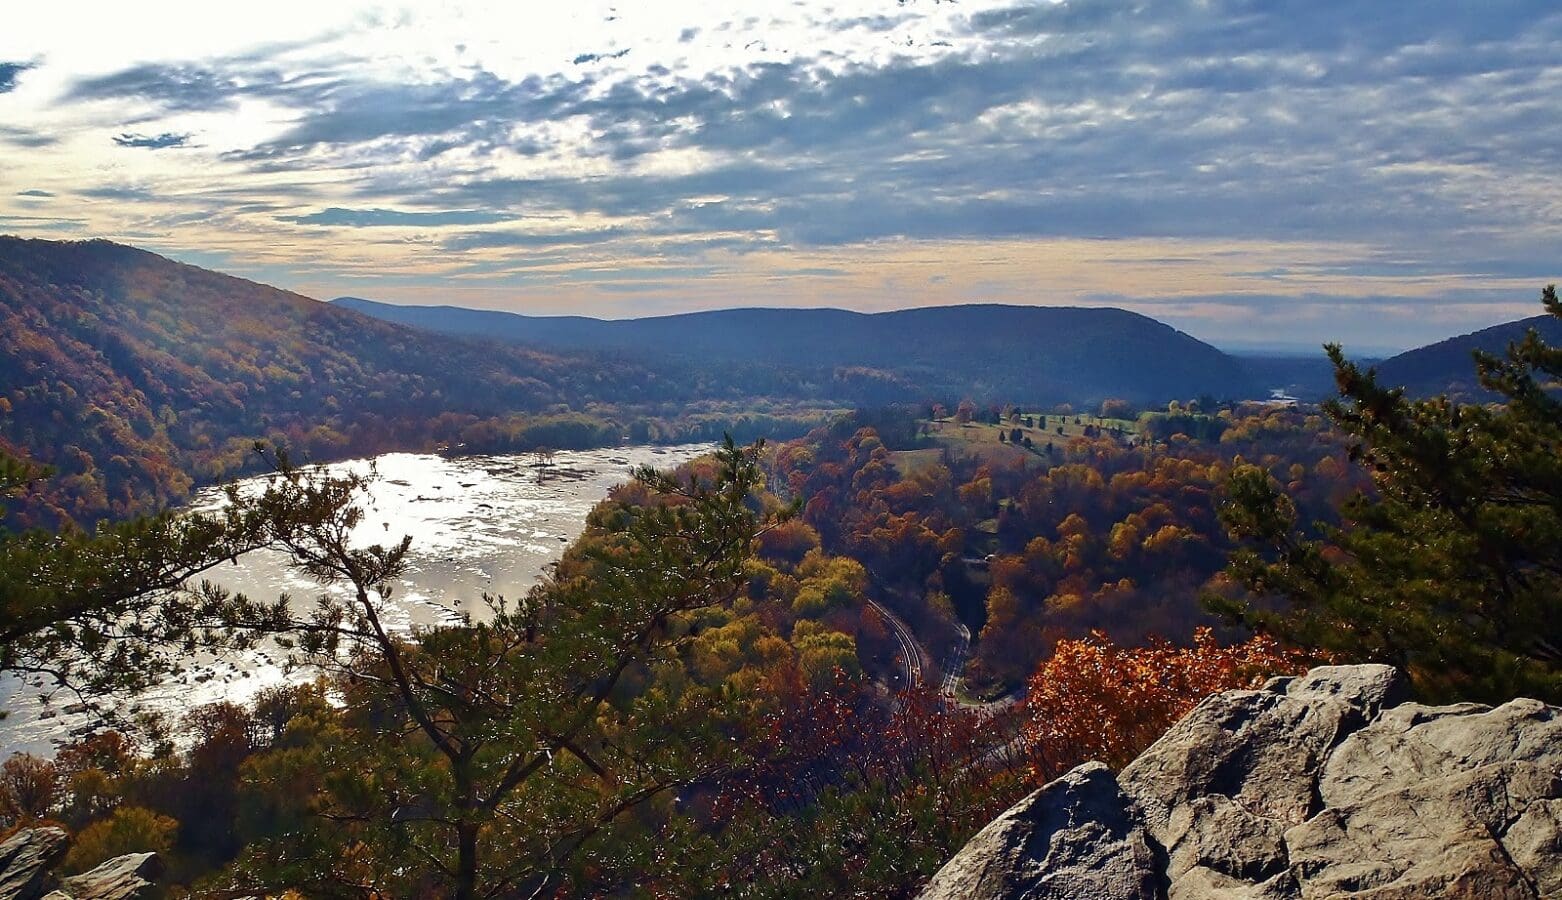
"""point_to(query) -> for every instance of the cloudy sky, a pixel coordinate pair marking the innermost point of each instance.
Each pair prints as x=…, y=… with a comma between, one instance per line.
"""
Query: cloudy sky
x=1249, y=170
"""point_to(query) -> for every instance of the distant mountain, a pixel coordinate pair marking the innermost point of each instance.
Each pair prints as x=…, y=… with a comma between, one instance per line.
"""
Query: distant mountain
x=1448, y=367
x=132, y=374
x=986, y=352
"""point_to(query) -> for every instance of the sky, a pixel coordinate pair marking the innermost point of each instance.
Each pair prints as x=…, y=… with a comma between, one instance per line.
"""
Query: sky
x=1276, y=172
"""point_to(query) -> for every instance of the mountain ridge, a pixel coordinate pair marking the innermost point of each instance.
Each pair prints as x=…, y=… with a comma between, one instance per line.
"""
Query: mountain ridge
x=991, y=352
x=1447, y=366
x=134, y=375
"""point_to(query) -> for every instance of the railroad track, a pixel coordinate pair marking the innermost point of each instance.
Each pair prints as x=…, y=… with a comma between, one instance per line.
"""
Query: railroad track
x=912, y=668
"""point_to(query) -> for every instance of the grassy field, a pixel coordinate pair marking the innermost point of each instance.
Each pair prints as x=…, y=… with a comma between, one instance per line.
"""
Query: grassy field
x=980, y=439
x=910, y=461
x=1059, y=430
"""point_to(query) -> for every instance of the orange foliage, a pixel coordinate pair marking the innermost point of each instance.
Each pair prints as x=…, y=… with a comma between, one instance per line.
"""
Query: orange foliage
x=1095, y=700
x=788, y=542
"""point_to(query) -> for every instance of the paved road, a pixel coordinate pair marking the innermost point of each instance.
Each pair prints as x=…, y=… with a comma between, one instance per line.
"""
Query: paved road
x=954, y=664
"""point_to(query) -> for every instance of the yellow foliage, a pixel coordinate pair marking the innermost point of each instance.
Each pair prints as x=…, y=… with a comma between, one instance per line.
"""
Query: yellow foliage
x=129, y=829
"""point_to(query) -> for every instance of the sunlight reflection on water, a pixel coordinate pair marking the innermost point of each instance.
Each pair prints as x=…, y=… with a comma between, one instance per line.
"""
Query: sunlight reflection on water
x=478, y=524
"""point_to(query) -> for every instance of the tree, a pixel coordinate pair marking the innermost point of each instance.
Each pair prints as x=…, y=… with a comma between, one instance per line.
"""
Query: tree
x=1453, y=568
x=28, y=789
x=1116, y=409
x=129, y=829
x=1095, y=700
x=532, y=731
x=112, y=610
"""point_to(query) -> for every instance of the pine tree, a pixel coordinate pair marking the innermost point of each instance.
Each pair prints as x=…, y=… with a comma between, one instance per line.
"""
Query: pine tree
x=1453, y=568
x=109, y=611
x=502, y=749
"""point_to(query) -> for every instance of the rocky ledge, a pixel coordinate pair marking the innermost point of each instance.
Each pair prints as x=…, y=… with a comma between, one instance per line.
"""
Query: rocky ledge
x=1324, y=785
x=28, y=859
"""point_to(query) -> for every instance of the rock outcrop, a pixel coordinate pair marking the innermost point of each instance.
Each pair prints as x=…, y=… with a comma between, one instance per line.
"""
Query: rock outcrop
x=1072, y=838
x=27, y=861
x=1326, y=785
x=128, y=877
x=29, y=857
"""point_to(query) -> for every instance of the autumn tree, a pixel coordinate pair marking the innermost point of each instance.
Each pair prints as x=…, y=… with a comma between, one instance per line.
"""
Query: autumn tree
x=1116, y=409
x=128, y=829
x=1452, y=567
x=1096, y=700
x=28, y=789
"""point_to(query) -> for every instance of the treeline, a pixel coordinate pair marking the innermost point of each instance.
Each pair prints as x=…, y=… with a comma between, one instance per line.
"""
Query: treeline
x=695, y=423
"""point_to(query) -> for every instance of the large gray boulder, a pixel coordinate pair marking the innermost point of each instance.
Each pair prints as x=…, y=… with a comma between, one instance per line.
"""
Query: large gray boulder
x=27, y=861
x=1262, y=749
x=29, y=857
x=1326, y=785
x=1073, y=838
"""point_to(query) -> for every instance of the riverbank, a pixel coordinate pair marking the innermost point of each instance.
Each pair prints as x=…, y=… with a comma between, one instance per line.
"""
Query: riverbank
x=479, y=524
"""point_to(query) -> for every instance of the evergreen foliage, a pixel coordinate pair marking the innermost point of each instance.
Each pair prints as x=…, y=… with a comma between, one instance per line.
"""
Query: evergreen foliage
x=1452, y=569
x=484, y=758
x=108, y=611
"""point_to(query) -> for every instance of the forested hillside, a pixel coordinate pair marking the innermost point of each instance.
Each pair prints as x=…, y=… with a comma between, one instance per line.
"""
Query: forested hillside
x=132, y=375
x=1445, y=367
x=1049, y=527
x=790, y=671
x=990, y=353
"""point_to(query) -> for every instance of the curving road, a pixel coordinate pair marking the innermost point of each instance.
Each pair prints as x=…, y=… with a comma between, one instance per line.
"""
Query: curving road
x=912, y=657
x=954, y=664
x=917, y=663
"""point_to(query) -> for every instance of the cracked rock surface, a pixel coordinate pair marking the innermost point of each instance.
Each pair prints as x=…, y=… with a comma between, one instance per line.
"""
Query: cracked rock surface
x=1325, y=785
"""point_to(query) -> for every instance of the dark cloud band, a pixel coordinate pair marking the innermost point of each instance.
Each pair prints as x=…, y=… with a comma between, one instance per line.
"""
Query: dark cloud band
x=165, y=141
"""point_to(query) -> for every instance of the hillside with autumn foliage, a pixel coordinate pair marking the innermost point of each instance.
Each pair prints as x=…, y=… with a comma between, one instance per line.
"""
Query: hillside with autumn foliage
x=813, y=668
x=1020, y=528
x=134, y=377
x=769, y=748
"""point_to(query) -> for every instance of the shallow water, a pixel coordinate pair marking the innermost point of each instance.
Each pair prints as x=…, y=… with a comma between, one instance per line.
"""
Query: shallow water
x=478, y=524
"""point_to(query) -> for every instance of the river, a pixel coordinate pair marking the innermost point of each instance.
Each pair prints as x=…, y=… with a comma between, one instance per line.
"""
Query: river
x=478, y=524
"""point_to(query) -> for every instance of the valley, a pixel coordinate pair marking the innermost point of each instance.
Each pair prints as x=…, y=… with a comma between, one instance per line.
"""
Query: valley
x=866, y=449
x=971, y=534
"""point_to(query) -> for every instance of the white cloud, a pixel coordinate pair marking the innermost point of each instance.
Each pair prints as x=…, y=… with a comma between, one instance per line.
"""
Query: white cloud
x=484, y=136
